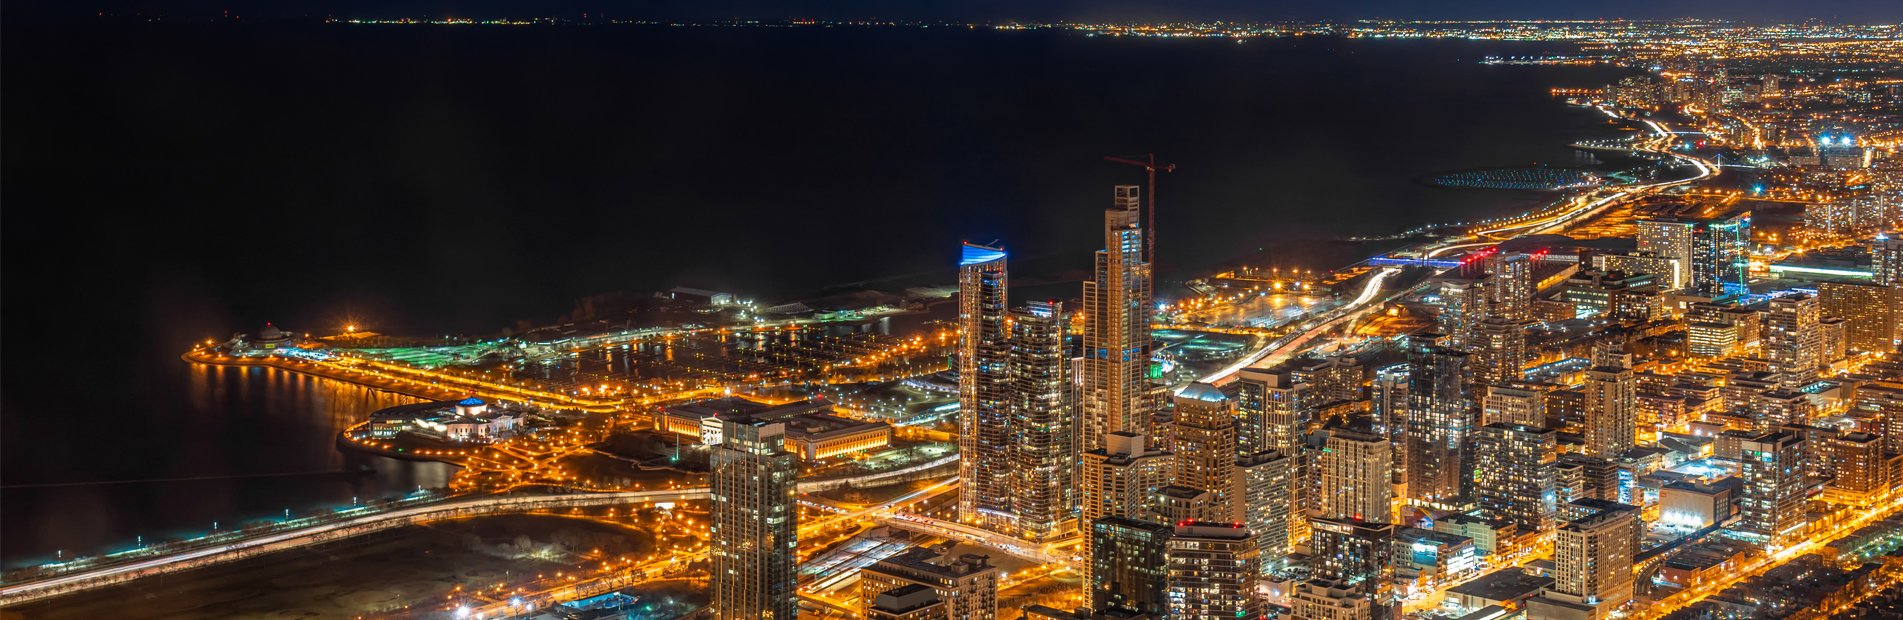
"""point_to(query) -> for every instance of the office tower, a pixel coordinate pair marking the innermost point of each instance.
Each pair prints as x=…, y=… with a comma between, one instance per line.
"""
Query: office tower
x=1578, y=476
x=968, y=583
x=1513, y=473
x=1711, y=339
x=1212, y=572
x=1793, y=340
x=1510, y=285
x=755, y=522
x=1611, y=411
x=1594, y=556
x=1670, y=239
x=1463, y=305
x=1263, y=485
x=1206, y=442
x=1388, y=392
x=1043, y=468
x=1129, y=565
x=908, y=602
x=1817, y=446
x=1441, y=422
x=1513, y=405
x=1353, y=474
x=1352, y=552
x=1324, y=599
x=1117, y=311
x=1870, y=312
x=1121, y=480
x=1782, y=406
x=984, y=386
x=1773, y=504
x=1270, y=411
x=1499, y=351
x=1721, y=256
x=1886, y=256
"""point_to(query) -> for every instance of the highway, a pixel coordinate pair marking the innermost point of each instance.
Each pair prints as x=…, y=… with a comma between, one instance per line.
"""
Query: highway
x=1584, y=206
x=14, y=594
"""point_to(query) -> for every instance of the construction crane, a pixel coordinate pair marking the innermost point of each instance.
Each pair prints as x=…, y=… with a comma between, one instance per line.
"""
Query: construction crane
x=1149, y=228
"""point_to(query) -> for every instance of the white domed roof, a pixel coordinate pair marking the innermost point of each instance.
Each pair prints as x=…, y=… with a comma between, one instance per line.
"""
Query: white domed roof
x=270, y=332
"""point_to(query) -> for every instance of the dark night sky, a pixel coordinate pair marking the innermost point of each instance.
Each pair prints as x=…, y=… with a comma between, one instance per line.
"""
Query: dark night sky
x=1864, y=11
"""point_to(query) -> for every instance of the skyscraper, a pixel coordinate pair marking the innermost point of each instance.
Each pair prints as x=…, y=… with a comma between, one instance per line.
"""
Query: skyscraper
x=1388, y=392
x=1043, y=467
x=1464, y=304
x=1206, y=442
x=1773, y=504
x=1353, y=474
x=1514, y=405
x=1499, y=351
x=1793, y=339
x=755, y=522
x=1612, y=416
x=1870, y=309
x=1212, y=572
x=1721, y=256
x=984, y=385
x=1353, y=552
x=1886, y=254
x=1513, y=473
x=1121, y=479
x=1117, y=311
x=1670, y=239
x=1510, y=285
x=1270, y=411
x=1857, y=466
x=1440, y=426
x=1129, y=565
x=1262, y=489
x=1594, y=557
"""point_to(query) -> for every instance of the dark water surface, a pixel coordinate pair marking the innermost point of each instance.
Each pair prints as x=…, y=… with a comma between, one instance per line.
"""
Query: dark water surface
x=168, y=183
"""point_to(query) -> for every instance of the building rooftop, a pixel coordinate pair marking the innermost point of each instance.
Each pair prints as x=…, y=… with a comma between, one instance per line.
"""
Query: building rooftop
x=1504, y=585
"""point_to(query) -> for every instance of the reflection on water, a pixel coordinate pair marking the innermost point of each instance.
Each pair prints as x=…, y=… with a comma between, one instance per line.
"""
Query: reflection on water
x=221, y=422
x=1268, y=311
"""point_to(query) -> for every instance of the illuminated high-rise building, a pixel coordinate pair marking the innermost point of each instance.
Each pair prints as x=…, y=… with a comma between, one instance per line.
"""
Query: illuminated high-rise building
x=1206, y=442
x=1612, y=416
x=1886, y=255
x=1514, y=405
x=1117, y=310
x=1793, y=339
x=1441, y=422
x=1773, y=504
x=1043, y=462
x=984, y=388
x=1262, y=486
x=1388, y=392
x=1213, y=569
x=1593, y=556
x=1270, y=411
x=1499, y=351
x=1669, y=239
x=1513, y=473
x=1352, y=472
x=1121, y=479
x=1129, y=565
x=968, y=583
x=755, y=529
x=1510, y=285
x=1721, y=256
x=1355, y=553
x=1869, y=310
x=1464, y=304
x=1857, y=466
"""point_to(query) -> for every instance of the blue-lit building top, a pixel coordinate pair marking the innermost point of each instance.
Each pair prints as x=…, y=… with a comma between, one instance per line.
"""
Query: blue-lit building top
x=975, y=254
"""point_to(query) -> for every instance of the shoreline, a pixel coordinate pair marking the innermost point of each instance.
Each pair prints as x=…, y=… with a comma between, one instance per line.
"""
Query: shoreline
x=321, y=373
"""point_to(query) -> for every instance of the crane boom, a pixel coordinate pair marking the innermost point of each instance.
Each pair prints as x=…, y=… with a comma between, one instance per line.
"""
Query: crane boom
x=1149, y=228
